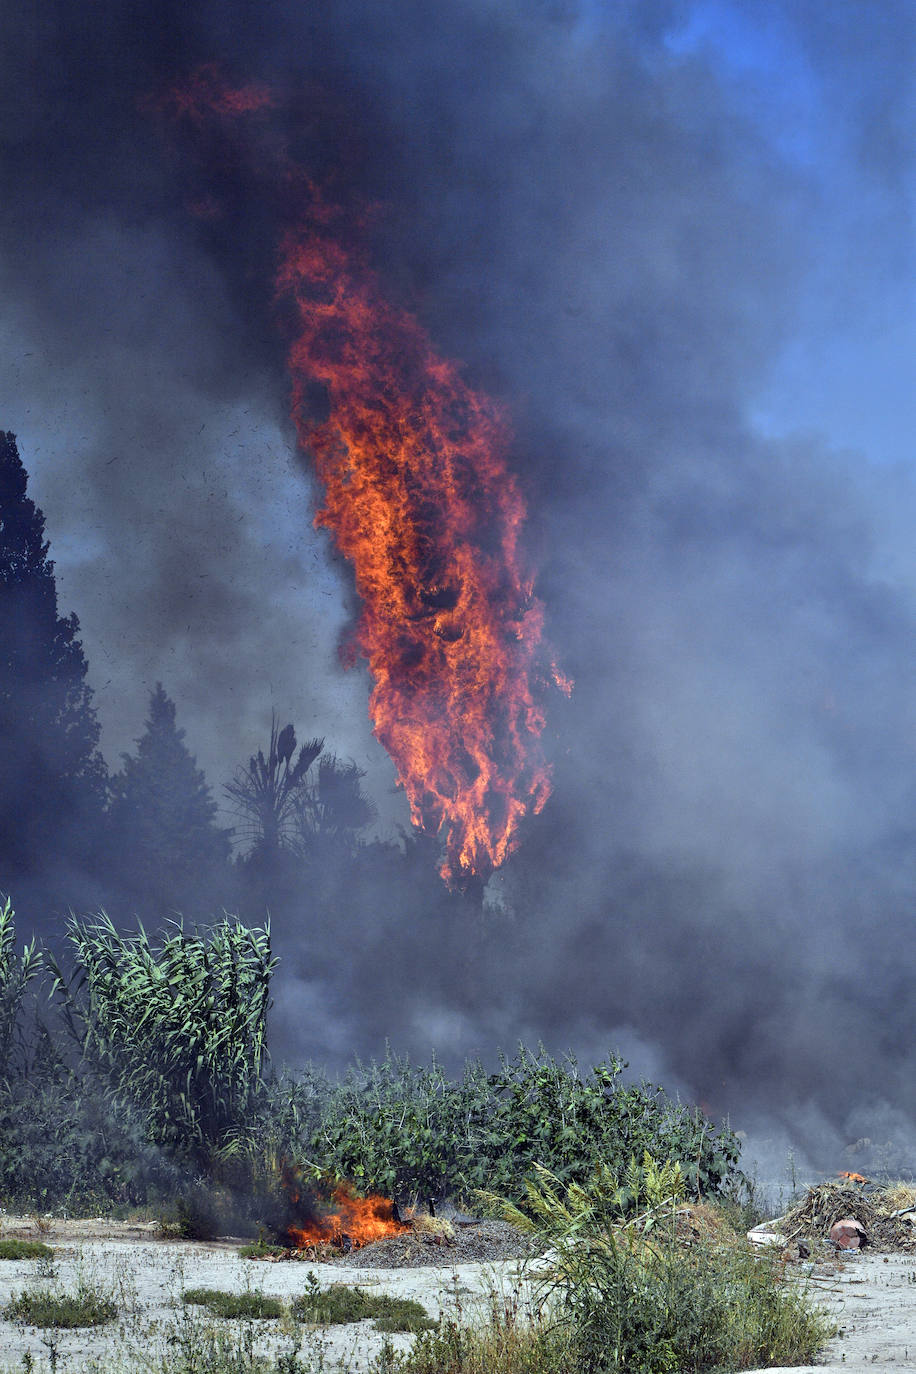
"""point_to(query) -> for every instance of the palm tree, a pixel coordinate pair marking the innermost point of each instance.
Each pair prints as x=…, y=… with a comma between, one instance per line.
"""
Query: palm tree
x=268, y=794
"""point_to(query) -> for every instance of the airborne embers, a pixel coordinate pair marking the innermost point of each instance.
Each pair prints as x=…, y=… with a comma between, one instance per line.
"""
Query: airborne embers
x=420, y=500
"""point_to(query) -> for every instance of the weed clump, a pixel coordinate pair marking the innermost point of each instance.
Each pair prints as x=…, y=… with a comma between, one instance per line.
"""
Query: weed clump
x=506, y=1342
x=263, y=1250
x=342, y=1303
x=11, y=1249
x=254, y=1306
x=45, y=1307
x=631, y=1293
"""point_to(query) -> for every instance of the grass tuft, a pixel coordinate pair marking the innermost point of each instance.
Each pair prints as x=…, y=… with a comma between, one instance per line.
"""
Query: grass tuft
x=234, y=1305
x=503, y=1344
x=260, y=1250
x=24, y=1249
x=341, y=1303
x=44, y=1307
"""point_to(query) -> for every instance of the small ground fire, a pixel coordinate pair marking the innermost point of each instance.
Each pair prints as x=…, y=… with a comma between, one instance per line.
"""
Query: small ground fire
x=347, y=1220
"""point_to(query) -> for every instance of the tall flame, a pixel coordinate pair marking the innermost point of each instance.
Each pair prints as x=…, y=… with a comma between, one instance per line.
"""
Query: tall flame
x=420, y=500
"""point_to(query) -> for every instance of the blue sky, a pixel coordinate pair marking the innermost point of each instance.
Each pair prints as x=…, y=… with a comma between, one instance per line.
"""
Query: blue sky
x=847, y=369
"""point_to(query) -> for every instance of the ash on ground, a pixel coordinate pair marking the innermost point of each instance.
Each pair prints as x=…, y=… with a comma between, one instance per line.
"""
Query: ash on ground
x=484, y=1240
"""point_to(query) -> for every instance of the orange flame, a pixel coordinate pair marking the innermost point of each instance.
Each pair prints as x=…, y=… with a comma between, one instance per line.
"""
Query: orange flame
x=359, y=1219
x=419, y=499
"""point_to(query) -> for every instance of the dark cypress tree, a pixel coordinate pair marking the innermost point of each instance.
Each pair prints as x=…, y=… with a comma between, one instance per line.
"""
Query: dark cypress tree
x=52, y=776
x=163, y=822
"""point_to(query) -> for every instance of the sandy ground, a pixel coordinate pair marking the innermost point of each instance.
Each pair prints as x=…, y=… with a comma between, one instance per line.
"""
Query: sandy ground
x=871, y=1297
x=146, y=1277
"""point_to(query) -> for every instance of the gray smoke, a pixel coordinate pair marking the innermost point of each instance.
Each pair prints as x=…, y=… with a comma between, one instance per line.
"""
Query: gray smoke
x=641, y=226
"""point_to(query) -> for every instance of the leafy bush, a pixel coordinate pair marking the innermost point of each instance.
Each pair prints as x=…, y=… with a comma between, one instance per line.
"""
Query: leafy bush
x=175, y=1029
x=234, y=1305
x=402, y=1131
x=62, y=1146
x=631, y=1296
x=412, y=1132
x=282, y=1123
x=12, y=1249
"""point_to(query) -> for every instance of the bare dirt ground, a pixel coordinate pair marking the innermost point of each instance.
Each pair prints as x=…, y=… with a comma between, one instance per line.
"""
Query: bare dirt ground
x=872, y=1297
x=146, y=1276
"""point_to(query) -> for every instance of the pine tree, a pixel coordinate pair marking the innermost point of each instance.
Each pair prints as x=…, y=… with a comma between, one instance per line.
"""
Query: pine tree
x=163, y=820
x=52, y=776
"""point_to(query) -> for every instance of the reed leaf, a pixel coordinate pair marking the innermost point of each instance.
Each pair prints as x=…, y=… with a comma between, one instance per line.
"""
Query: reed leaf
x=175, y=1028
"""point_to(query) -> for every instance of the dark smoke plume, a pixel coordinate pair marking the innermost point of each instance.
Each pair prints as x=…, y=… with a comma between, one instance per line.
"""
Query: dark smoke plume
x=617, y=237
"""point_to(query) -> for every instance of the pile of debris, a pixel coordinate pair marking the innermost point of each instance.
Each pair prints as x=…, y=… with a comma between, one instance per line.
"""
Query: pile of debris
x=848, y=1214
x=701, y=1223
x=422, y=1240
x=477, y=1239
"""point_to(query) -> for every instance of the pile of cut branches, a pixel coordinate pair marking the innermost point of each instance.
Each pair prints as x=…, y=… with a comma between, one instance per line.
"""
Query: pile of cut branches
x=880, y=1209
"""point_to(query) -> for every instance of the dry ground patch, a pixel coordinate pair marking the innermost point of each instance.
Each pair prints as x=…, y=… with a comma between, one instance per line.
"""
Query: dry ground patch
x=146, y=1278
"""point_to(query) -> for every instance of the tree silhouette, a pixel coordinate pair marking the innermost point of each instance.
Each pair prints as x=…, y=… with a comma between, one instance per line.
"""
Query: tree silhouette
x=290, y=809
x=163, y=818
x=333, y=807
x=267, y=796
x=299, y=817
x=53, y=774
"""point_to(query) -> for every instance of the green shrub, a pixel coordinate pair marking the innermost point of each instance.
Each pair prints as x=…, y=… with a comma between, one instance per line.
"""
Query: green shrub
x=632, y=1297
x=62, y=1145
x=410, y=1132
x=174, y=1028
x=45, y=1307
x=234, y=1305
x=342, y=1303
x=12, y=1249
